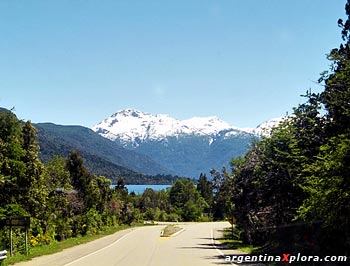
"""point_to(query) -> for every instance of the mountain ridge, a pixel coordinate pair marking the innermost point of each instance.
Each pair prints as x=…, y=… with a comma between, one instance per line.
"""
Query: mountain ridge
x=59, y=139
x=131, y=126
x=186, y=147
x=101, y=156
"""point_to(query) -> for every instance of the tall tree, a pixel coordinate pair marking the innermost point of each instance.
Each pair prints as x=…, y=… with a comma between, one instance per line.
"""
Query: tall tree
x=78, y=173
x=58, y=210
x=56, y=175
x=221, y=184
x=301, y=171
x=34, y=197
x=205, y=189
x=12, y=167
x=327, y=182
x=336, y=94
x=186, y=200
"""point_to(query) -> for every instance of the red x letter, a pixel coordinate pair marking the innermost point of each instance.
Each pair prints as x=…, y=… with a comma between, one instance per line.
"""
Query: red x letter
x=286, y=257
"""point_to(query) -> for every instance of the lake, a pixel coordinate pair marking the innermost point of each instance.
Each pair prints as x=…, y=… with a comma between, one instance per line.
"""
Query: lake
x=139, y=189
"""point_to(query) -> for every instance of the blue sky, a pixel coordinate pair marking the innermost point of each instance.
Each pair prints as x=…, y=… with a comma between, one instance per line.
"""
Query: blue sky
x=77, y=62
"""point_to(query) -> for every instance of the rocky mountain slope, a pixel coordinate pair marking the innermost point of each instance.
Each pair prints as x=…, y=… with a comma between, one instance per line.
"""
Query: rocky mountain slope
x=186, y=147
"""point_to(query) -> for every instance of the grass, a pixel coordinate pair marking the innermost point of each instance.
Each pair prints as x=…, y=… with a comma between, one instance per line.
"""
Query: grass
x=59, y=246
x=169, y=230
x=231, y=238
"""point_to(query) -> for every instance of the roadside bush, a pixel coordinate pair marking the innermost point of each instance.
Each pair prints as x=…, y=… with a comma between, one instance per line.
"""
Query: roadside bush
x=92, y=222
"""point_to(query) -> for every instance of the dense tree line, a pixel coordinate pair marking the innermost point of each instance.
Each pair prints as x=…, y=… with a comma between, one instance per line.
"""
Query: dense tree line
x=63, y=199
x=292, y=189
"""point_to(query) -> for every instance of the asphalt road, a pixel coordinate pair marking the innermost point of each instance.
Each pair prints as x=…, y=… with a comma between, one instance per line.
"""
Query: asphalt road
x=143, y=246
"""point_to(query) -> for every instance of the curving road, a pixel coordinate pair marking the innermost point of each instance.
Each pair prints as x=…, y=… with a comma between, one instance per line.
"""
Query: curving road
x=143, y=246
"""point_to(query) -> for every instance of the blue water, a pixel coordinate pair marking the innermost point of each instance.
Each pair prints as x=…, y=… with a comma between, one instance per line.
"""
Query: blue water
x=139, y=189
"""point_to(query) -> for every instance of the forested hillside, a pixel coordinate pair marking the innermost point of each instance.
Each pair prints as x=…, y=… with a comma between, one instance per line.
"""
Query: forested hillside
x=101, y=155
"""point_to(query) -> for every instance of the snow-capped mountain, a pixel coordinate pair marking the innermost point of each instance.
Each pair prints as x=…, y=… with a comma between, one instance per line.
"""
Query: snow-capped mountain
x=264, y=128
x=186, y=147
x=134, y=127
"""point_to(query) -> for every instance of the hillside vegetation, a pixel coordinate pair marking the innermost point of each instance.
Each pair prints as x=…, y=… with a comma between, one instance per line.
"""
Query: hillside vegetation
x=58, y=139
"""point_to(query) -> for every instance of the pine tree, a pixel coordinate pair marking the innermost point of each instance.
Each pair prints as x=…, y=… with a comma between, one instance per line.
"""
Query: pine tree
x=205, y=189
x=78, y=173
x=336, y=94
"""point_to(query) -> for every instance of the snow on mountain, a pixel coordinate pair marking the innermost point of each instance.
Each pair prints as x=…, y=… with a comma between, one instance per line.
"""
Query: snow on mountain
x=264, y=128
x=134, y=127
x=185, y=147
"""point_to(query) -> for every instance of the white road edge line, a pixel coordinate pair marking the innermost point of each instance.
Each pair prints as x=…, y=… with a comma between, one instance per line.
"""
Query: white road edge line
x=218, y=250
x=92, y=253
x=178, y=232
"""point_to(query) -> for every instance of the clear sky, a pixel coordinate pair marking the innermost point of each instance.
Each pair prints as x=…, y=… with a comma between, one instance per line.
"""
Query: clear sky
x=79, y=61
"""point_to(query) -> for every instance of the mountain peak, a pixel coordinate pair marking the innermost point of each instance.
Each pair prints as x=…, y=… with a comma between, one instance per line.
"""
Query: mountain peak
x=264, y=128
x=132, y=127
x=129, y=112
x=186, y=147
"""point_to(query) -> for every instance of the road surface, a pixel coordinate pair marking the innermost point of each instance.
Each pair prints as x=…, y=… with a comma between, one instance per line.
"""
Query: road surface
x=143, y=246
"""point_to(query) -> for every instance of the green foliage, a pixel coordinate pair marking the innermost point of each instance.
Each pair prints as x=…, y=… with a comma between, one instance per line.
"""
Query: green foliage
x=58, y=214
x=186, y=201
x=12, y=167
x=295, y=183
x=328, y=187
x=56, y=175
x=35, y=194
x=78, y=173
x=62, y=198
x=328, y=183
x=205, y=189
x=299, y=172
x=92, y=222
x=222, y=189
x=101, y=156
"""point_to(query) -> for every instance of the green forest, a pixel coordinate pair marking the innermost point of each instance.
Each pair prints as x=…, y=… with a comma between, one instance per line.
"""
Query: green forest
x=290, y=192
